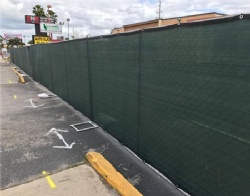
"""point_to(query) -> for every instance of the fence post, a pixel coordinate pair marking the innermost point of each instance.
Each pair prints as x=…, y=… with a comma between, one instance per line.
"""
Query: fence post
x=66, y=69
x=32, y=67
x=90, y=79
x=16, y=57
x=51, y=68
x=24, y=60
x=139, y=92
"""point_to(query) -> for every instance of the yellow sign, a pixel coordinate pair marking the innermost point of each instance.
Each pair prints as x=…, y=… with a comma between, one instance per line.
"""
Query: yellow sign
x=41, y=39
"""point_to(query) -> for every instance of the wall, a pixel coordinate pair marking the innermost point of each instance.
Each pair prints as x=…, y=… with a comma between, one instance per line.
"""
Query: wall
x=169, y=22
x=117, y=30
x=145, y=25
x=178, y=97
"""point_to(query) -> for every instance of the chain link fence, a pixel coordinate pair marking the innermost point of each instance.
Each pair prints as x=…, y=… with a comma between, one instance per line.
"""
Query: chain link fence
x=178, y=96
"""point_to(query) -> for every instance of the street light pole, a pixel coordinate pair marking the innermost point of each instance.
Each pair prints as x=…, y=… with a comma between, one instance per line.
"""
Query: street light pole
x=50, y=34
x=68, y=27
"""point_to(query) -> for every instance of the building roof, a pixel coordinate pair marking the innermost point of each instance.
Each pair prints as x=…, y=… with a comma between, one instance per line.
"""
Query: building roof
x=153, y=21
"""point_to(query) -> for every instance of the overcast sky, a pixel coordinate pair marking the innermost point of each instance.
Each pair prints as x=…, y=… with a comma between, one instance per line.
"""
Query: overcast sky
x=97, y=17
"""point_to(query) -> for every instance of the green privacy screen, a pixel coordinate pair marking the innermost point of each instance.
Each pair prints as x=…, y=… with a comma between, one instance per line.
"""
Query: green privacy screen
x=77, y=69
x=195, y=106
x=178, y=96
x=21, y=58
x=114, y=85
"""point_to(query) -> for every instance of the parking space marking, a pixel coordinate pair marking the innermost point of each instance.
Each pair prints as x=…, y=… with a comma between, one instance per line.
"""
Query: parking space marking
x=32, y=104
x=10, y=82
x=55, y=131
x=50, y=181
x=15, y=97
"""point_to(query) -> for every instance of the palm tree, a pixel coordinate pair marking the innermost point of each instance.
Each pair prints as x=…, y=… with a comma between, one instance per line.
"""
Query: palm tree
x=38, y=11
x=52, y=14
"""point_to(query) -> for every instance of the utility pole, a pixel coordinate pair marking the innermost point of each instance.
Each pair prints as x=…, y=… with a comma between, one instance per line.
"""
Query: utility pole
x=159, y=10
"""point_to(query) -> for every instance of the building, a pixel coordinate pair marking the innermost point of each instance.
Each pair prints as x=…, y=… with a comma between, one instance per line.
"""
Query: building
x=165, y=22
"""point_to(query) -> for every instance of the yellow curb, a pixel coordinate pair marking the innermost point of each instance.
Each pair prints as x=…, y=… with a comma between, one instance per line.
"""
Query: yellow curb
x=19, y=75
x=114, y=178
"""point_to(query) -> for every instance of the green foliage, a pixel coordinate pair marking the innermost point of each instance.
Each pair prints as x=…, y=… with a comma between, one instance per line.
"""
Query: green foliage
x=30, y=42
x=38, y=11
x=14, y=42
x=52, y=14
x=1, y=41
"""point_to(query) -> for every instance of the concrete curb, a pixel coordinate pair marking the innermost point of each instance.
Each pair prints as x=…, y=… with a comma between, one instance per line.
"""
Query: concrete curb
x=19, y=75
x=114, y=178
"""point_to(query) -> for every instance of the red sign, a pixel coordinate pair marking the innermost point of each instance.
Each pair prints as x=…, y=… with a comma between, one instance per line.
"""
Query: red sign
x=55, y=41
x=32, y=19
x=12, y=36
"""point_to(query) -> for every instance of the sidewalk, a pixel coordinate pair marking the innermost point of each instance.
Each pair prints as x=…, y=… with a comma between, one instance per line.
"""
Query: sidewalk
x=29, y=145
x=81, y=180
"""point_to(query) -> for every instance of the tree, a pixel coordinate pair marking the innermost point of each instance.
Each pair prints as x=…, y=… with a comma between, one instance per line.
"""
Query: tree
x=14, y=42
x=1, y=41
x=30, y=42
x=39, y=11
x=53, y=15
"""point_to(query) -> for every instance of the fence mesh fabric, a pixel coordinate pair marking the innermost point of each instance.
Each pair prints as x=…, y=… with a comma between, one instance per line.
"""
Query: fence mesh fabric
x=77, y=69
x=57, y=63
x=195, y=93
x=178, y=97
x=21, y=57
x=42, y=65
x=114, y=85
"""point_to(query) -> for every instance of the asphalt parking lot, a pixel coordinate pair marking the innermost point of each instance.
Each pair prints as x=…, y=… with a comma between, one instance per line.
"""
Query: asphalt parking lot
x=36, y=136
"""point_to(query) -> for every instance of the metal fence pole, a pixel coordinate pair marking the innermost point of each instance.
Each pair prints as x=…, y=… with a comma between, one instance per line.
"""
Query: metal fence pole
x=139, y=91
x=65, y=69
x=31, y=63
x=52, y=83
x=90, y=79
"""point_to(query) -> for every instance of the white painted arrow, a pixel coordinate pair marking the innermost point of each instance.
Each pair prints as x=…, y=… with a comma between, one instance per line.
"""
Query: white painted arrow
x=55, y=131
